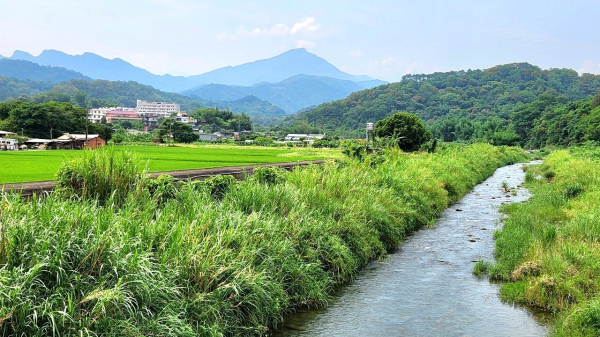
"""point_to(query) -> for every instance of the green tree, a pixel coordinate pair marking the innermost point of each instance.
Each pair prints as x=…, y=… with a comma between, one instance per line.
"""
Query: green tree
x=405, y=129
x=179, y=132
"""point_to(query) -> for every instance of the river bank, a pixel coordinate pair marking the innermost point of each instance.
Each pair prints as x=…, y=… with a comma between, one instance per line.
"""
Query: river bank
x=549, y=249
x=427, y=287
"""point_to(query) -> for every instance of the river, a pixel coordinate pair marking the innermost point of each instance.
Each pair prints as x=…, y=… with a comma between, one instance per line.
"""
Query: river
x=426, y=287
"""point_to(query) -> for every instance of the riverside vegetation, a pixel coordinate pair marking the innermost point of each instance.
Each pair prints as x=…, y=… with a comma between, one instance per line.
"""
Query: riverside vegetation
x=113, y=252
x=549, y=247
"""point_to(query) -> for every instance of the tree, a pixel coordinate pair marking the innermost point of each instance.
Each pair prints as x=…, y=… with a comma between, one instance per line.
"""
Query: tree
x=180, y=132
x=595, y=101
x=405, y=129
x=81, y=99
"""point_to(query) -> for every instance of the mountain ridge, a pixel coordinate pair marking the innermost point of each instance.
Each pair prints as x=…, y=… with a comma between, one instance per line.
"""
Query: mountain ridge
x=456, y=104
x=274, y=69
x=292, y=94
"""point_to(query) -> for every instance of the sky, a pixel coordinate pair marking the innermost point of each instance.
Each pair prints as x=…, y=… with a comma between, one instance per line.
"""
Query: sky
x=384, y=39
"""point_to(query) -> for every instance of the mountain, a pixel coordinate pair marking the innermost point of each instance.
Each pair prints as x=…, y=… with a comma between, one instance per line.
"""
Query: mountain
x=274, y=69
x=31, y=71
x=118, y=93
x=261, y=112
x=458, y=105
x=98, y=67
x=292, y=94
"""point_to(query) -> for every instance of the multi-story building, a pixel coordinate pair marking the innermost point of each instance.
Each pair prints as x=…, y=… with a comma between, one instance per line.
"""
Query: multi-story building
x=118, y=115
x=162, y=109
x=150, y=120
x=96, y=115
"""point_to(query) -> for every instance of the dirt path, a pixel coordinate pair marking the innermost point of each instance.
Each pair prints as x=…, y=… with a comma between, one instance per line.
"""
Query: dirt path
x=28, y=189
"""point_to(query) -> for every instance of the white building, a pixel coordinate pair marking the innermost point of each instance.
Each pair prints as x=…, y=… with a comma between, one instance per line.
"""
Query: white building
x=296, y=137
x=9, y=144
x=183, y=118
x=162, y=109
x=95, y=115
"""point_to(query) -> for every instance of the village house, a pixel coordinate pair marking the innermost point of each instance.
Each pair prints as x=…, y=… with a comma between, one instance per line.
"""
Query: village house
x=210, y=137
x=113, y=116
x=296, y=137
x=6, y=143
x=96, y=115
x=9, y=144
x=79, y=141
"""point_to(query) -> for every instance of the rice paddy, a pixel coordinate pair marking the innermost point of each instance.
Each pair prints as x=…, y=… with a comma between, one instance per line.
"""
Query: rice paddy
x=40, y=165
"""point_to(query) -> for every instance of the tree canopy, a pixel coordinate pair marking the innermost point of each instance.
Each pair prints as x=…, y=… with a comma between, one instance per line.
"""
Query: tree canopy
x=180, y=132
x=404, y=129
x=47, y=120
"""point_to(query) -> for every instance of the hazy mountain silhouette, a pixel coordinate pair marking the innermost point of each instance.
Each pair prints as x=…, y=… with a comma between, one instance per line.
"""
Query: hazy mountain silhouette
x=275, y=69
x=292, y=94
x=26, y=70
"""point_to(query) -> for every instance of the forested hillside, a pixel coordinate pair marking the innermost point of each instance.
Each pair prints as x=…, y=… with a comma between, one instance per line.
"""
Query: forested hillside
x=292, y=94
x=93, y=94
x=458, y=105
x=14, y=87
x=26, y=70
x=552, y=120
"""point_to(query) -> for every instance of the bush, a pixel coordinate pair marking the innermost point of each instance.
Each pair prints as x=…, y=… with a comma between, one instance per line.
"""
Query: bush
x=218, y=186
x=325, y=143
x=268, y=175
x=99, y=174
x=162, y=187
x=355, y=149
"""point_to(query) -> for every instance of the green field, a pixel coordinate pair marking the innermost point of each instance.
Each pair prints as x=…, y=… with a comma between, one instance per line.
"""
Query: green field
x=25, y=166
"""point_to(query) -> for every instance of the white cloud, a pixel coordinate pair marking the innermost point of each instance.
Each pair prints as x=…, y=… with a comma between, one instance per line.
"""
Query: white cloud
x=388, y=61
x=589, y=67
x=357, y=53
x=308, y=26
x=393, y=67
x=304, y=44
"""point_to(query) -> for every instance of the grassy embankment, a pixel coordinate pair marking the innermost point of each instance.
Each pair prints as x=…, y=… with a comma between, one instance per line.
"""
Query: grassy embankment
x=24, y=166
x=212, y=258
x=549, y=247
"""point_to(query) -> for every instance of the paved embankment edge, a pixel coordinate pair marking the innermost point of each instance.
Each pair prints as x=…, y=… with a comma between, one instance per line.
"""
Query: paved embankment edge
x=239, y=172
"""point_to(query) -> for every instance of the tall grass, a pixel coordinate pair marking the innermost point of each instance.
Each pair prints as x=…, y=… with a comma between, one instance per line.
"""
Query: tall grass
x=215, y=261
x=549, y=247
x=101, y=174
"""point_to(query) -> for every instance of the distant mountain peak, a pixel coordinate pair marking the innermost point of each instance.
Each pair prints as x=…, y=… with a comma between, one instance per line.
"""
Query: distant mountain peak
x=293, y=62
x=20, y=54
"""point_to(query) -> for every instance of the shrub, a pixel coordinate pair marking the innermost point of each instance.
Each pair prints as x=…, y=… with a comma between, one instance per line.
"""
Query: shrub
x=162, y=187
x=99, y=174
x=268, y=175
x=219, y=185
x=355, y=149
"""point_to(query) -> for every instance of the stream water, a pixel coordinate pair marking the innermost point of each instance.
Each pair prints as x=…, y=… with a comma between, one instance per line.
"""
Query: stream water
x=427, y=287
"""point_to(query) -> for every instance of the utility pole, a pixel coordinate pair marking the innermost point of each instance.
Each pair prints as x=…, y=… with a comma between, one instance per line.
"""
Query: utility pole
x=369, y=130
x=170, y=132
x=86, y=132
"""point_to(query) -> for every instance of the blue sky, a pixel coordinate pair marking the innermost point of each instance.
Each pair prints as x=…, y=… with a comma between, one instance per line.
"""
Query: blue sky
x=381, y=38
